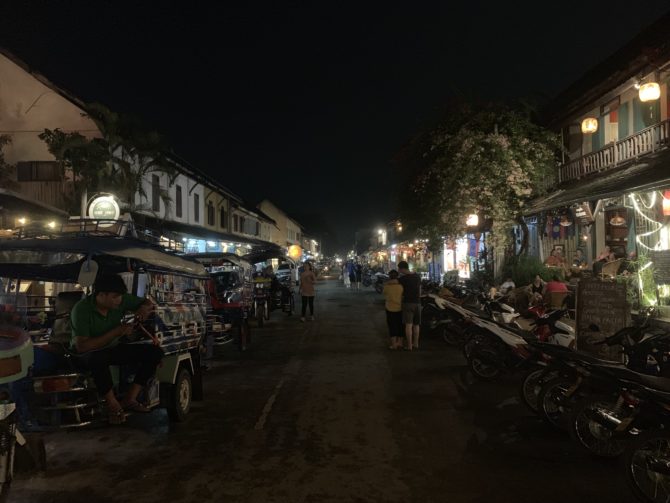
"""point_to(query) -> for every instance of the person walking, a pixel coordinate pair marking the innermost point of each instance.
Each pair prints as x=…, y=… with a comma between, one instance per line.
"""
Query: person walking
x=351, y=270
x=307, y=292
x=393, y=296
x=411, y=304
x=358, y=270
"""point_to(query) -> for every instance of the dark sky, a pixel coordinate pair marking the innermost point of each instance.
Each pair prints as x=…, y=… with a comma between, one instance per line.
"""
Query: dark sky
x=305, y=103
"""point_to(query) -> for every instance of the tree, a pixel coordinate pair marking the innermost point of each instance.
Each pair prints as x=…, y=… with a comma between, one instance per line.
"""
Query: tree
x=118, y=162
x=7, y=170
x=490, y=161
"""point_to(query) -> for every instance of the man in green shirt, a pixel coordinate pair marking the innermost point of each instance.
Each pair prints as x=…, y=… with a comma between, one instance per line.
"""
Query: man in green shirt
x=96, y=329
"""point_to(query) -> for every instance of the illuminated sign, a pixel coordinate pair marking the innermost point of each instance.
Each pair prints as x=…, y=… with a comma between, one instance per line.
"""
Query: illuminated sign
x=104, y=207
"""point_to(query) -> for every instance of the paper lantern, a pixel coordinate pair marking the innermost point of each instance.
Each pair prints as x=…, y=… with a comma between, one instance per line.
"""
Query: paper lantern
x=295, y=252
x=589, y=125
x=650, y=91
x=472, y=221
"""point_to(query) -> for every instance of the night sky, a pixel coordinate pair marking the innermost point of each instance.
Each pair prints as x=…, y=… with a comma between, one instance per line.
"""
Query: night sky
x=305, y=103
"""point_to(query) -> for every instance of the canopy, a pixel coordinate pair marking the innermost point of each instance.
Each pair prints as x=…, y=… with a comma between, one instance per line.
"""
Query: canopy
x=264, y=253
x=39, y=257
x=17, y=203
x=218, y=258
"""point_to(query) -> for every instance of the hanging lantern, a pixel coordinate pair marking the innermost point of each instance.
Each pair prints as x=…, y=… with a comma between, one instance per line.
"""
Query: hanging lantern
x=666, y=203
x=295, y=252
x=472, y=221
x=565, y=221
x=617, y=220
x=650, y=91
x=589, y=125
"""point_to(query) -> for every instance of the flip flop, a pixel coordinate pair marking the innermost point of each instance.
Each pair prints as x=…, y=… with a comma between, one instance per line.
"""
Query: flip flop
x=136, y=407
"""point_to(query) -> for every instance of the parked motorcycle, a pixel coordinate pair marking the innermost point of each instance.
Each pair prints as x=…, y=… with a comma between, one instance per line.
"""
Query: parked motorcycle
x=380, y=279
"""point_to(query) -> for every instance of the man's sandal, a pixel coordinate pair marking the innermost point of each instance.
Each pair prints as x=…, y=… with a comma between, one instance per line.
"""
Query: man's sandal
x=117, y=416
x=136, y=407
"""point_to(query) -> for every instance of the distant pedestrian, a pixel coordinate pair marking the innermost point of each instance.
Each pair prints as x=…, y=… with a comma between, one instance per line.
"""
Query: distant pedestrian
x=393, y=296
x=307, y=291
x=351, y=269
x=411, y=304
x=345, y=276
x=359, y=275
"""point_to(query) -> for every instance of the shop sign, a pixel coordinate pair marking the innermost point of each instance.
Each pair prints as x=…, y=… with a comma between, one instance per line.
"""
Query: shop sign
x=104, y=207
x=661, y=266
x=583, y=214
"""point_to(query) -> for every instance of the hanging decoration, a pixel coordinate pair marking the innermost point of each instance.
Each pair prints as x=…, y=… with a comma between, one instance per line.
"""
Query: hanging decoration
x=617, y=220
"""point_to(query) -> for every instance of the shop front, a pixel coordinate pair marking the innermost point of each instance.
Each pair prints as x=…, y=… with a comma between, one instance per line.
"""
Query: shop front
x=620, y=223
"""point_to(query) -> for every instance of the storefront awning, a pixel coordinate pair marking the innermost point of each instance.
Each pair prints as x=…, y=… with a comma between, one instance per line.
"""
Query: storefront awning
x=193, y=231
x=641, y=176
x=17, y=203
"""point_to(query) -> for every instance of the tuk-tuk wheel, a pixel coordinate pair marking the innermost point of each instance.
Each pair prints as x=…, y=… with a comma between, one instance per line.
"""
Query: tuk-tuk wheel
x=179, y=396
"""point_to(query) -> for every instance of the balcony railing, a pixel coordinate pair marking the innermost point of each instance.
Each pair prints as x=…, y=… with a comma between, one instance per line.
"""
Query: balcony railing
x=648, y=140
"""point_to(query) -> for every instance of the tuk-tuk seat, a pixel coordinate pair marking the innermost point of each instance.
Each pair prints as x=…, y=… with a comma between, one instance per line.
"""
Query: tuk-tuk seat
x=62, y=329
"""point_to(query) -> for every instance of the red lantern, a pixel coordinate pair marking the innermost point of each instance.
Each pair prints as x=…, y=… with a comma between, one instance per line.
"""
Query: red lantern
x=666, y=203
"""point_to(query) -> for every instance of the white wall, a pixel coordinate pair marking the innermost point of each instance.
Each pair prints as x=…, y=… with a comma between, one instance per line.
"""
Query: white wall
x=27, y=107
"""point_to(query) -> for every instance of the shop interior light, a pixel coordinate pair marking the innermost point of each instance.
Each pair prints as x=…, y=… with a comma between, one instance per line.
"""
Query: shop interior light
x=649, y=91
x=666, y=203
x=473, y=220
x=589, y=125
x=51, y=225
x=22, y=221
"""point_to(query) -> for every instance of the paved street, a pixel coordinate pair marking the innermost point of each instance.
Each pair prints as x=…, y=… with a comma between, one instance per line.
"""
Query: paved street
x=324, y=412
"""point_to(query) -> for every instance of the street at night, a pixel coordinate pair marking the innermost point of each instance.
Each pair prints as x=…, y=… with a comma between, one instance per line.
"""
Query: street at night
x=324, y=412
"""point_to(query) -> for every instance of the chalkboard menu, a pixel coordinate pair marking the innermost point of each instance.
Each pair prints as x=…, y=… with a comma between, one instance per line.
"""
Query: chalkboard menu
x=602, y=303
x=660, y=265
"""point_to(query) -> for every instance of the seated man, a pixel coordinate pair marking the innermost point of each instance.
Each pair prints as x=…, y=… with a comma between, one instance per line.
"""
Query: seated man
x=579, y=260
x=96, y=330
x=555, y=285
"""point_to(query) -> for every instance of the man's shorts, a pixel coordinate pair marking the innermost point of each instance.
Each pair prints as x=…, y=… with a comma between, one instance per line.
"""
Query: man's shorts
x=411, y=314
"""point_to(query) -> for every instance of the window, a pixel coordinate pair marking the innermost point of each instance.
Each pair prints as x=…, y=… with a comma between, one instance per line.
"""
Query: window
x=196, y=207
x=210, y=213
x=242, y=229
x=38, y=171
x=155, y=193
x=178, y=202
x=223, y=218
x=258, y=228
x=235, y=223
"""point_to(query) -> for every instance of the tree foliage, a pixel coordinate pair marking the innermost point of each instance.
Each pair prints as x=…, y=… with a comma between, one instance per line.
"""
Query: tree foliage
x=7, y=180
x=125, y=155
x=490, y=161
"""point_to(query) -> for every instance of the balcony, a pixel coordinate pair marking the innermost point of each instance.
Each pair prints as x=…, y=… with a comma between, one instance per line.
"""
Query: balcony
x=631, y=148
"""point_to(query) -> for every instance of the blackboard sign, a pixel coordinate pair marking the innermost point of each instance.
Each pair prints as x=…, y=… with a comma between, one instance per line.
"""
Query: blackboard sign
x=660, y=265
x=602, y=303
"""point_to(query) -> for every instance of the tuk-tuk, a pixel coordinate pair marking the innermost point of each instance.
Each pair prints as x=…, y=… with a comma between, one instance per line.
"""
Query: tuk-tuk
x=280, y=286
x=58, y=392
x=230, y=288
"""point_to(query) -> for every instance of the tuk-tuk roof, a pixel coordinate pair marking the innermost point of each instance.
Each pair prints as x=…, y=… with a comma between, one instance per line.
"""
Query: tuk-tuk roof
x=262, y=254
x=40, y=254
x=219, y=258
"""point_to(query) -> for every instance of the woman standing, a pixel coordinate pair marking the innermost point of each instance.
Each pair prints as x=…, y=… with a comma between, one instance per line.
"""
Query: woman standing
x=307, y=281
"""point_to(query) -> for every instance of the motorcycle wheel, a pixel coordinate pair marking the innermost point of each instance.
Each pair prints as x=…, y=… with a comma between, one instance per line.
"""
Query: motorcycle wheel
x=452, y=336
x=646, y=462
x=553, y=405
x=379, y=287
x=482, y=363
x=532, y=384
x=593, y=436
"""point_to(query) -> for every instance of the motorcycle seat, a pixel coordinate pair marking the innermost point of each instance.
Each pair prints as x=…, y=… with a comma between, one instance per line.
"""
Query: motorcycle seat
x=653, y=382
